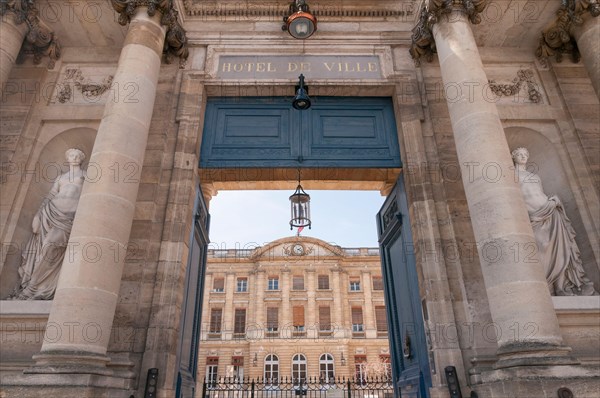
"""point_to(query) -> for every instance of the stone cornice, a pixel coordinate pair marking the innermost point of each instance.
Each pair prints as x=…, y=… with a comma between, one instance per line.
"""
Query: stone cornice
x=557, y=38
x=423, y=45
x=246, y=11
x=40, y=39
x=176, y=38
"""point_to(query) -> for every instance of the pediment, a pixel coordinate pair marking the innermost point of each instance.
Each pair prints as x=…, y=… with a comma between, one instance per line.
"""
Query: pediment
x=297, y=247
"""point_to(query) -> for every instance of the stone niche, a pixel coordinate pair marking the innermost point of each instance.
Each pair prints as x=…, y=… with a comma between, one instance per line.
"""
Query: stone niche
x=35, y=186
x=553, y=170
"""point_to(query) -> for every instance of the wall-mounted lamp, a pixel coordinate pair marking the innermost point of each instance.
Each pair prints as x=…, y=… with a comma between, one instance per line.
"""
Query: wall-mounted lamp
x=255, y=360
x=300, y=23
x=301, y=100
x=343, y=360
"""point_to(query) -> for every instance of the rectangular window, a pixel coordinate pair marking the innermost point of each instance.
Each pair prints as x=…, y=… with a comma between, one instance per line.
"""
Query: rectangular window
x=242, y=284
x=360, y=368
x=237, y=364
x=216, y=315
x=298, y=320
x=272, y=320
x=212, y=368
x=377, y=283
x=381, y=321
x=239, y=328
x=387, y=365
x=323, y=282
x=298, y=282
x=357, y=322
x=355, y=284
x=324, y=319
x=219, y=285
x=273, y=283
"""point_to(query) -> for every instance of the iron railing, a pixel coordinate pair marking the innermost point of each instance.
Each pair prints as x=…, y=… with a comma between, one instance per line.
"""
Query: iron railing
x=226, y=387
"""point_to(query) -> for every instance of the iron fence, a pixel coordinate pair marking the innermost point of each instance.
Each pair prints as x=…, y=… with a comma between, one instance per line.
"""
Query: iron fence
x=309, y=388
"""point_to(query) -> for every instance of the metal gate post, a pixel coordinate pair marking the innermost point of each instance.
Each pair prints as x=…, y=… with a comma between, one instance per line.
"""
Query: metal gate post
x=349, y=389
x=204, y=389
x=252, y=391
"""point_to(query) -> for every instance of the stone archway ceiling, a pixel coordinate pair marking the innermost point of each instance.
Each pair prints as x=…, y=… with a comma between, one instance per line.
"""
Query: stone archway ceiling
x=40, y=39
x=176, y=39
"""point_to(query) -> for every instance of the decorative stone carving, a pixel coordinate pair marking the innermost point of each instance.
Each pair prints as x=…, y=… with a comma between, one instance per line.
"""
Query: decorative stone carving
x=40, y=39
x=175, y=40
x=509, y=90
x=557, y=39
x=86, y=87
x=423, y=44
x=51, y=226
x=554, y=234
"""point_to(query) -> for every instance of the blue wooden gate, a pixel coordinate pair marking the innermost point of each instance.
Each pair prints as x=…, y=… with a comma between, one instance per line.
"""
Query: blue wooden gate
x=410, y=362
x=189, y=336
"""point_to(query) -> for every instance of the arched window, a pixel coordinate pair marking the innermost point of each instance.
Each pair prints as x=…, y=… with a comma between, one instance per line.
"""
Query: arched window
x=326, y=373
x=298, y=369
x=272, y=370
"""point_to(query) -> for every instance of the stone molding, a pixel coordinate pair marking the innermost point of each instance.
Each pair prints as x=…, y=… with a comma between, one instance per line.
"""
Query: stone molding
x=557, y=38
x=176, y=38
x=423, y=44
x=40, y=39
x=238, y=10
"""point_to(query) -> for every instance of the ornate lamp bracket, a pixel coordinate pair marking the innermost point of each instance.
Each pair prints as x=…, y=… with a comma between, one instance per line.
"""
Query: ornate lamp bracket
x=176, y=38
x=423, y=45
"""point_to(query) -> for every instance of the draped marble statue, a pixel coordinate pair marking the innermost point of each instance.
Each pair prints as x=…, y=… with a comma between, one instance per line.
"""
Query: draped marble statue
x=554, y=234
x=51, y=226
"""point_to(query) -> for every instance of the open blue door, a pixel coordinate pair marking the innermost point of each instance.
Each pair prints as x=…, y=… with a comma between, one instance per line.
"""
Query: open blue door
x=408, y=346
x=189, y=336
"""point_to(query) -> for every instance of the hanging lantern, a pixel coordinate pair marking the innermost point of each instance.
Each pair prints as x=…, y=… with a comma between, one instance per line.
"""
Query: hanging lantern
x=300, y=207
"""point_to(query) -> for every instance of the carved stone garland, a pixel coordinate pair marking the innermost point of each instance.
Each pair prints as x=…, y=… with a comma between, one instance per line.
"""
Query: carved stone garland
x=423, y=45
x=40, y=39
x=557, y=40
x=508, y=90
x=175, y=40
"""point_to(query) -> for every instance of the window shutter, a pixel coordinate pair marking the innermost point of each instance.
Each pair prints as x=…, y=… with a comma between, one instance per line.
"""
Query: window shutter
x=298, y=282
x=272, y=315
x=240, y=321
x=219, y=284
x=380, y=317
x=215, y=320
x=377, y=283
x=298, y=316
x=324, y=318
x=237, y=361
x=357, y=316
x=323, y=282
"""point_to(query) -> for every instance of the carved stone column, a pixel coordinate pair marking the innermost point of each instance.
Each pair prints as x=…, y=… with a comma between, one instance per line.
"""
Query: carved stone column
x=575, y=31
x=88, y=288
x=517, y=290
x=19, y=20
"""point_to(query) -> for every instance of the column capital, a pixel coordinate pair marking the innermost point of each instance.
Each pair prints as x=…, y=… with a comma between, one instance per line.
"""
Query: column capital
x=423, y=44
x=557, y=38
x=176, y=38
x=40, y=39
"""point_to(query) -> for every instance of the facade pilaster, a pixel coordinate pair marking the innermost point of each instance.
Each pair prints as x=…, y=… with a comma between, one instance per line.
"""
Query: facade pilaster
x=337, y=309
x=311, y=305
x=369, y=311
x=260, y=319
x=88, y=287
x=499, y=217
x=286, y=305
x=229, y=306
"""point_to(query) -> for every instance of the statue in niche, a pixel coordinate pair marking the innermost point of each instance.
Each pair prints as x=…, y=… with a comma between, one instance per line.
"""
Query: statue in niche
x=51, y=226
x=554, y=234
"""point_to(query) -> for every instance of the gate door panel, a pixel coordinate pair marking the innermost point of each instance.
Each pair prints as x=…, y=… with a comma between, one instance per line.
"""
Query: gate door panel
x=410, y=364
x=189, y=336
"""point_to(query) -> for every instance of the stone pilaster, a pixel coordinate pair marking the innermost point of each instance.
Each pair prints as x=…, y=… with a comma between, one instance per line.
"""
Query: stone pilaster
x=499, y=217
x=286, y=305
x=369, y=310
x=19, y=21
x=88, y=287
x=337, y=310
x=311, y=305
x=229, y=309
x=575, y=31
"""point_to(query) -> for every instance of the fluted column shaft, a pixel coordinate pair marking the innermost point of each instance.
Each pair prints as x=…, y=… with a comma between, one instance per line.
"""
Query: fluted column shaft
x=89, y=282
x=11, y=39
x=520, y=302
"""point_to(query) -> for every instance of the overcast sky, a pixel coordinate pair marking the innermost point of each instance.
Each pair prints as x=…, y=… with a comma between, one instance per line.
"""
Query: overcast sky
x=245, y=219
